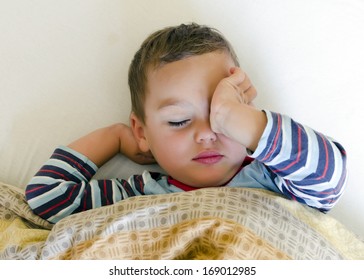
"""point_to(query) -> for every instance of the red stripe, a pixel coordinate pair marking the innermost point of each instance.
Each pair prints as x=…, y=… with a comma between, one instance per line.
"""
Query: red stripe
x=54, y=172
x=337, y=189
x=46, y=171
x=275, y=139
x=35, y=189
x=141, y=184
x=85, y=200
x=76, y=163
x=60, y=203
x=105, y=192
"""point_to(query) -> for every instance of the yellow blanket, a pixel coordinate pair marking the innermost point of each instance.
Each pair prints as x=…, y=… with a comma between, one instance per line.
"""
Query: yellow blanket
x=213, y=223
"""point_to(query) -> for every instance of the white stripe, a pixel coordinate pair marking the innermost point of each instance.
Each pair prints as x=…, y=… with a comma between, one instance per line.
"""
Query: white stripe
x=95, y=193
x=67, y=167
x=51, y=194
x=44, y=180
x=79, y=156
x=263, y=140
x=116, y=191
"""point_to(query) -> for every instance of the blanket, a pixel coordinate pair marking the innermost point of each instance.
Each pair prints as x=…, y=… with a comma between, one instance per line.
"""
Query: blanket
x=211, y=223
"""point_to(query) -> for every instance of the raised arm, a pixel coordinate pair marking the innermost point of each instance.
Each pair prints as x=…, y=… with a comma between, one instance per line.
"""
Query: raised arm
x=309, y=166
x=64, y=184
x=101, y=145
x=303, y=164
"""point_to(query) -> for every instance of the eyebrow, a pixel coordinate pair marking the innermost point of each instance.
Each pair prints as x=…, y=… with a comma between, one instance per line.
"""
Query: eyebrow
x=172, y=102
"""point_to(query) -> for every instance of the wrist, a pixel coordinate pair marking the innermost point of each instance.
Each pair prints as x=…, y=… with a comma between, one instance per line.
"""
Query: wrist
x=245, y=124
x=219, y=117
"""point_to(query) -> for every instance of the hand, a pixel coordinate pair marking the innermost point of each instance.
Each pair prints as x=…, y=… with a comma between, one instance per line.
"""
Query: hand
x=130, y=148
x=234, y=90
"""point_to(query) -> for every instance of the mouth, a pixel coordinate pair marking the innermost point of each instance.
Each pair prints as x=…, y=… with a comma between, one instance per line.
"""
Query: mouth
x=208, y=157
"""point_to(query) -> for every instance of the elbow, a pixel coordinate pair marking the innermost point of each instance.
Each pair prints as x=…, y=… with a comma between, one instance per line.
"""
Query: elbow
x=34, y=195
x=55, y=201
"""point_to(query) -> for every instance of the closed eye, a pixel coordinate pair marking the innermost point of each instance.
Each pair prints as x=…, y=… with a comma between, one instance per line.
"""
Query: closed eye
x=179, y=124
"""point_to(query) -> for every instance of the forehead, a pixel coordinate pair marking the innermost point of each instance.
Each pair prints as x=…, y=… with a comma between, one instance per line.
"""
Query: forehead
x=196, y=75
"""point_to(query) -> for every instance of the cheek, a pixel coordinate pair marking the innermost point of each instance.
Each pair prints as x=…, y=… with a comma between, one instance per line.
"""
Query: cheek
x=165, y=145
x=233, y=147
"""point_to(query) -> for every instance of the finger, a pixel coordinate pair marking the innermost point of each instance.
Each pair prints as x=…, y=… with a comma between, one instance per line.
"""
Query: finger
x=250, y=94
x=246, y=83
x=241, y=80
x=247, y=90
x=237, y=76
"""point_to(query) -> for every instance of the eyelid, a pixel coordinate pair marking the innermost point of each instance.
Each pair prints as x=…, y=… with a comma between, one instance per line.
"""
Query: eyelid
x=179, y=123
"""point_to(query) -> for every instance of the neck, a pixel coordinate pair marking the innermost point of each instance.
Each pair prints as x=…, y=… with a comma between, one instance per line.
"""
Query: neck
x=187, y=188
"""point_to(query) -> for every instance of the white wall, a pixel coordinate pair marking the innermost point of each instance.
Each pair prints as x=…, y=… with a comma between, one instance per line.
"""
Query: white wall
x=63, y=70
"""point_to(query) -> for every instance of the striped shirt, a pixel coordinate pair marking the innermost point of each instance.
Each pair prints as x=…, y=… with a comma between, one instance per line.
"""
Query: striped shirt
x=291, y=159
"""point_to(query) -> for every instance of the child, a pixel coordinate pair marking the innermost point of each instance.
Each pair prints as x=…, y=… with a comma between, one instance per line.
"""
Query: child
x=192, y=113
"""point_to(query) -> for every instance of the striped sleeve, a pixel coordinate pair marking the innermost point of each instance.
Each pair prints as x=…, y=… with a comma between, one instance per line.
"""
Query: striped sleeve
x=309, y=166
x=64, y=186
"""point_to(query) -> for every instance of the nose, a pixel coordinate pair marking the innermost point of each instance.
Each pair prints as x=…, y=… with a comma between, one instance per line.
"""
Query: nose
x=204, y=133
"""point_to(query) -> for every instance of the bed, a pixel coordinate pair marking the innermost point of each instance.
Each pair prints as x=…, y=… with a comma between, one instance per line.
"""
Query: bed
x=211, y=223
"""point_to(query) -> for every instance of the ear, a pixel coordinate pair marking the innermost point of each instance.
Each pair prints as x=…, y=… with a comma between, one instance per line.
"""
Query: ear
x=138, y=129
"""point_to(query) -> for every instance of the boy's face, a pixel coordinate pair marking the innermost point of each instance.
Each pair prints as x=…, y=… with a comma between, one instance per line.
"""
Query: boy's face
x=177, y=127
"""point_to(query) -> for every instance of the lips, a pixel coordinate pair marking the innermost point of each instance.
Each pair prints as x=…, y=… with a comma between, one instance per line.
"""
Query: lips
x=208, y=157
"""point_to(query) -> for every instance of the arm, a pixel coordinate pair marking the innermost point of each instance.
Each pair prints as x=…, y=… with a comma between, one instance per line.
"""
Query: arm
x=303, y=164
x=64, y=184
x=102, y=144
x=308, y=166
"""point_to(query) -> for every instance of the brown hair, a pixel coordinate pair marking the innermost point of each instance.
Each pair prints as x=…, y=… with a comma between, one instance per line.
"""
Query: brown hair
x=168, y=45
